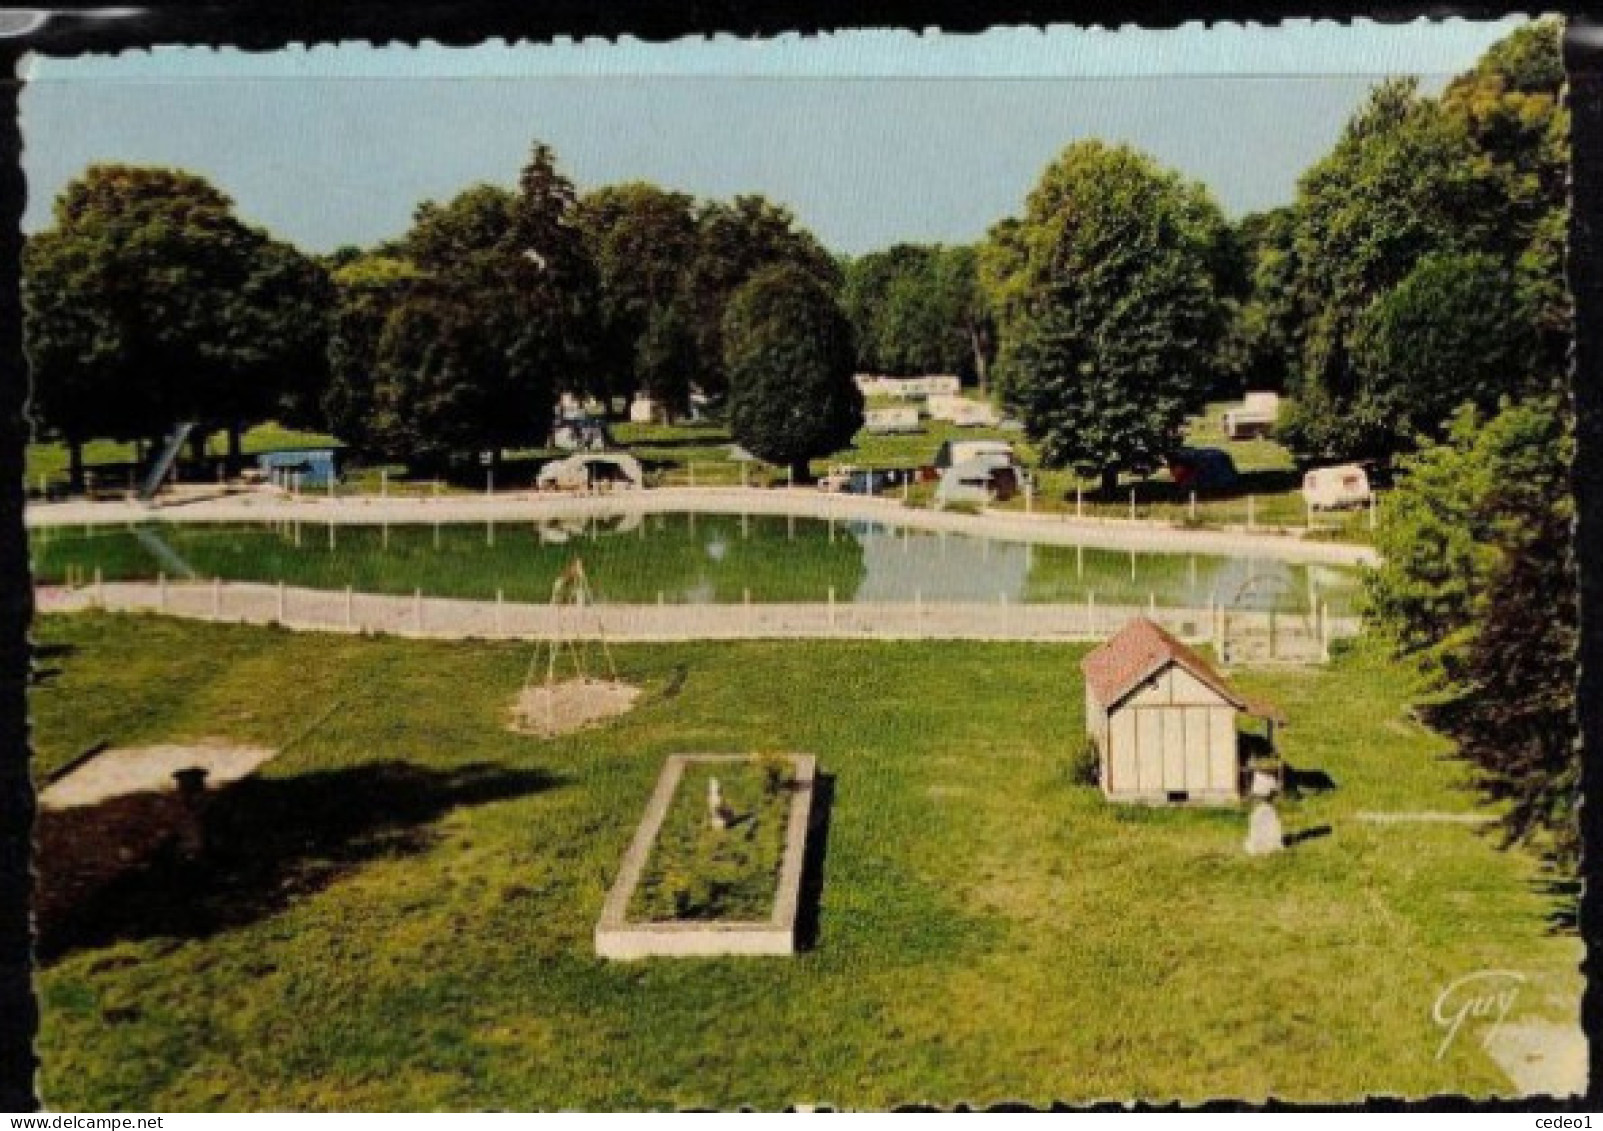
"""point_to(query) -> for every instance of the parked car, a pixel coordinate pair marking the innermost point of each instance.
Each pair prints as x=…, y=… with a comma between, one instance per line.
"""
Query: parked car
x=1205, y=469
x=1332, y=488
x=962, y=411
x=885, y=421
x=1255, y=416
x=847, y=480
x=953, y=452
x=978, y=481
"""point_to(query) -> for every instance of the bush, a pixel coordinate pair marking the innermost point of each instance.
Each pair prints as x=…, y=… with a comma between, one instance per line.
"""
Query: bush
x=778, y=772
x=1085, y=767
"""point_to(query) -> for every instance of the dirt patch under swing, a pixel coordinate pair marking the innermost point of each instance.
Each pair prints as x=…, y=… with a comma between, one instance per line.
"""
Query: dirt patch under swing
x=570, y=705
x=143, y=769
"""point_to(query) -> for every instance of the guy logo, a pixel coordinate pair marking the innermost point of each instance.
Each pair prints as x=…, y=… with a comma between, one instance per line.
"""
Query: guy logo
x=1483, y=994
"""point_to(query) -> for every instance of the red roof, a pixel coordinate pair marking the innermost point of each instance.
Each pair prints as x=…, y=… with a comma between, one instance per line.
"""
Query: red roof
x=1139, y=651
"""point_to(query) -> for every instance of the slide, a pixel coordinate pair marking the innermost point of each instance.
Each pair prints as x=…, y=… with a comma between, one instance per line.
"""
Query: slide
x=164, y=461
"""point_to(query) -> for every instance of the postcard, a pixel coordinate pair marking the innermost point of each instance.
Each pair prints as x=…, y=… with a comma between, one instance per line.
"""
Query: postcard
x=848, y=570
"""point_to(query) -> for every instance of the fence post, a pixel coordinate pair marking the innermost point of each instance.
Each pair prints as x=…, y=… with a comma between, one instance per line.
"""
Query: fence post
x=331, y=535
x=161, y=592
x=790, y=478
x=1132, y=504
x=1193, y=506
x=330, y=485
x=1152, y=605
x=906, y=479
x=282, y=617
x=1029, y=498
x=417, y=608
x=383, y=482
x=297, y=533
x=100, y=588
x=1079, y=501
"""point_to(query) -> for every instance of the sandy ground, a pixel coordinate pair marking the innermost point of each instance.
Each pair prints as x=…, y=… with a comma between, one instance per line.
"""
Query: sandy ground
x=141, y=769
x=570, y=705
x=1542, y=1059
x=1108, y=533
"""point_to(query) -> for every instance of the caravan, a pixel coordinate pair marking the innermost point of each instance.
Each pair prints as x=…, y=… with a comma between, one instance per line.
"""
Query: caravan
x=1331, y=488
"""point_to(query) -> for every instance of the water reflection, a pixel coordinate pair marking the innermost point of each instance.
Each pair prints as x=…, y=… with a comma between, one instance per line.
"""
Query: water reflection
x=687, y=558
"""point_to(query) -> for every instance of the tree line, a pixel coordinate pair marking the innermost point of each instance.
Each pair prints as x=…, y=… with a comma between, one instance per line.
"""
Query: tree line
x=149, y=301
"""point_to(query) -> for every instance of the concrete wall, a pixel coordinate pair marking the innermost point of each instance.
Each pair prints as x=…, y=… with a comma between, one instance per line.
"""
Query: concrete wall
x=618, y=937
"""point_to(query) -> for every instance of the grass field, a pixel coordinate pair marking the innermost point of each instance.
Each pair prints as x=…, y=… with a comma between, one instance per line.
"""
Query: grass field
x=398, y=913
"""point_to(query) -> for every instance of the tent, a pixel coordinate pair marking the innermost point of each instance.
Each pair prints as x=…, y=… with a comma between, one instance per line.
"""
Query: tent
x=592, y=471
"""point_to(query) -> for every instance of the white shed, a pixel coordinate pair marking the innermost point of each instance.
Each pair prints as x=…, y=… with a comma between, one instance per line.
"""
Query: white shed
x=1163, y=721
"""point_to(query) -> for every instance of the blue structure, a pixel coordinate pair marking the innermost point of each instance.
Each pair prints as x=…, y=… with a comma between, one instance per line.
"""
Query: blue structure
x=1206, y=469
x=311, y=467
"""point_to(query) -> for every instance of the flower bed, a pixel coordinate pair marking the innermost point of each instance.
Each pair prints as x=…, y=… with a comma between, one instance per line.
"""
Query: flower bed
x=690, y=887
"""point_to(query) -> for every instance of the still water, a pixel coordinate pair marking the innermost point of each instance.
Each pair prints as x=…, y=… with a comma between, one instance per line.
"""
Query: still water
x=684, y=558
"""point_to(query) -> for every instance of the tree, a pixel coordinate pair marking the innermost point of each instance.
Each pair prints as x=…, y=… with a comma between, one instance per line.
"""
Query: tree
x=368, y=289
x=642, y=240
x=1480, y=171
x=733, y=243
x=917, y=309
x=149, y=302
x=1453, y=332
x=788, y=352
x=1110, y=309
x=499, y=320
x=1477, y=587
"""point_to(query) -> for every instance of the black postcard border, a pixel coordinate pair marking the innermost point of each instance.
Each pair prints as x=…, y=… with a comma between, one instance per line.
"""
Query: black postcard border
x=74, y=26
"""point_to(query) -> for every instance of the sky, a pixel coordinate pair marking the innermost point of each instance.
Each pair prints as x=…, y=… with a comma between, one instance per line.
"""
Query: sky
x=870, y=137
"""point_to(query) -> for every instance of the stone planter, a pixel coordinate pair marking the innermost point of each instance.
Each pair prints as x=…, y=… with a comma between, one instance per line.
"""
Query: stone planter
x=618, y=937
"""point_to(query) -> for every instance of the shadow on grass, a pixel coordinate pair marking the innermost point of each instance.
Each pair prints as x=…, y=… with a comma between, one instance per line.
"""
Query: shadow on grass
x=1564, y=904
x=149, y=865
x=812, y=879
x=1299, y=782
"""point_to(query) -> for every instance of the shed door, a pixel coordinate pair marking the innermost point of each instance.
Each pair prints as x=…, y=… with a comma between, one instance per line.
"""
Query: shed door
x=1172, y=725
x=1196, y=722
x=1149, y=749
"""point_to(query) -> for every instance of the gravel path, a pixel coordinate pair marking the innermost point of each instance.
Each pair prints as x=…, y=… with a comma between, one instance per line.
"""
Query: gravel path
x=1106, y=533
x=454, y=618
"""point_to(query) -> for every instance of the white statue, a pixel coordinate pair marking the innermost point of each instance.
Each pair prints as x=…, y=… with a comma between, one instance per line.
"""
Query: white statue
x=717, y=811
x=1264, y=834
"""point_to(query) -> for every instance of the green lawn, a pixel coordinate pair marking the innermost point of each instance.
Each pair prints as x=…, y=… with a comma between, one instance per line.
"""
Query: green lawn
x=400, y=911
x=49, y=459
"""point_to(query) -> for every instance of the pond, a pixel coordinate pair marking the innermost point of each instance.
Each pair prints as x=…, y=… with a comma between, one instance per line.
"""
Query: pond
x=683, y=558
